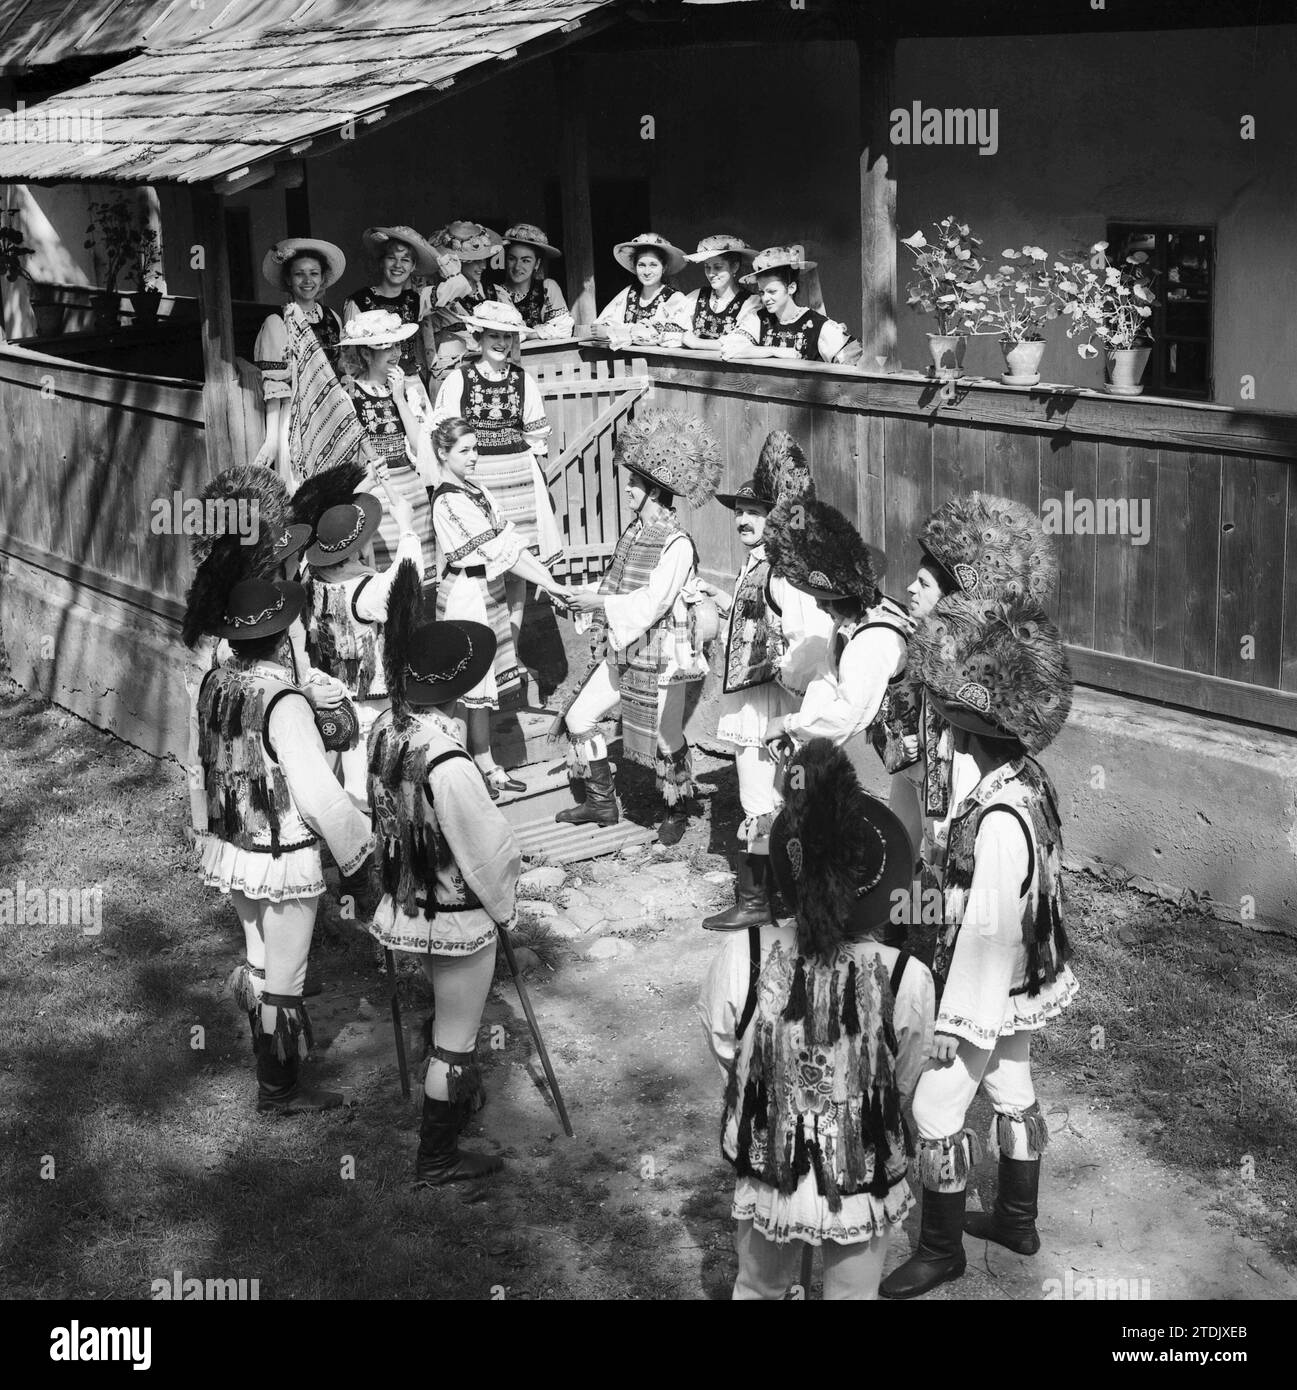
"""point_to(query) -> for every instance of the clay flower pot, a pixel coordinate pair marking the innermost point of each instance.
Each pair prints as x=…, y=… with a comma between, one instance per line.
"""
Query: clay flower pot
x=1126, y=371
x=947, y=351
x=1022, y=362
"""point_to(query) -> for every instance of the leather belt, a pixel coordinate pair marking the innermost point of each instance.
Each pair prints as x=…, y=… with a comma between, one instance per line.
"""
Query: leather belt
x=473, y=571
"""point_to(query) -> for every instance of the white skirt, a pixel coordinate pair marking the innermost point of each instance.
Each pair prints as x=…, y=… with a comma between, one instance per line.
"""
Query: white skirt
x=745, y=715
x=805, y=1215
x=297, y=873
x=1029, y=1015
x=447, y=934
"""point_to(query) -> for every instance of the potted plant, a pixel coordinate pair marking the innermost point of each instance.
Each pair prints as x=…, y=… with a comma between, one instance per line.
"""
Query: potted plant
x=1110, y=303
x=148, y=293
x=1015, y=301
x=944, y=268
x=13, y=266
x=113, y=237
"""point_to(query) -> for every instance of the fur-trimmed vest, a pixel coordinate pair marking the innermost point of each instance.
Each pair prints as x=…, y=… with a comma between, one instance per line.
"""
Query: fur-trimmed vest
x=248, y=802
x=416, y=866
x=812, y=1087
x=1022, y=789
x=638, y=553
x=753, y=637
x=343, y=644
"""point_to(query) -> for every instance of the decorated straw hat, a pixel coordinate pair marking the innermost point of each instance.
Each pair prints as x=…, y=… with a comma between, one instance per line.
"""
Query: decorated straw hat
x=344, y=530
x=995, y=668
x=376, y=328
x=260, y=608
x=837, y=854
x=782, y=475
x=721, y=245
x=376, y=240
x=778, y=258
x=673, y=258
x=526, y=235
x=673, y=451
x=818, y=551
x=990, y=547
x=496, y=316
x=274, y=263
x=470, y=241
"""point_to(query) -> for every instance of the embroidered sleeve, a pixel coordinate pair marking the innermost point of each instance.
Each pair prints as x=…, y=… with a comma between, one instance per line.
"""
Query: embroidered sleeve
x=450, y=399
x=556, y=320
x=535, y=425
x=482, y=841
x=270, y=353
x=677, y=312
x=839, y=708
x=615, y=310
x=837, y=345
x=749, y=324
x=466, y=536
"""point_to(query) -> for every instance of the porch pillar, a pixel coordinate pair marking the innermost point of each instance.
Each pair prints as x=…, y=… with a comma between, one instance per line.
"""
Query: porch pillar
x=222, y=399
x=574, y=173
x=876, y=45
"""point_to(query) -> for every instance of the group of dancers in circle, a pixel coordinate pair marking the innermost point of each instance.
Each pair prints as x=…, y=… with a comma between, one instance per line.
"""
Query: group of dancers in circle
x=335, y=713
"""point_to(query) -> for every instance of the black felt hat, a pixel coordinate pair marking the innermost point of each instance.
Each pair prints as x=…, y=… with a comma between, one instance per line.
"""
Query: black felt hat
x=443, y=660
x=748, y=495
x=293, y=540
x=345, y=530
x=259, y=608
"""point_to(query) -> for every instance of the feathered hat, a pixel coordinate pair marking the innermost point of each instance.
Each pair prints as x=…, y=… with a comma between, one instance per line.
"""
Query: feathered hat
x=782, y=475
x=674, y=451
x=991, y=547
x=838, y=855
x=995, y=668
x=817, y=550
x=330, y=487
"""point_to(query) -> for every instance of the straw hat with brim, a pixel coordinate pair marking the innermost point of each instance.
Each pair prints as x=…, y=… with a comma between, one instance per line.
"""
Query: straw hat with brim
x=275, y=262
x=376, y=240
x=778, y=258
x=470, y=241
x=721, y=245
x=294, y=540
x=747, y=495
x=673, y=258
x=377, y=328
x=494, y=316
x=345, y=530
x=837, y=854
x=260, y=608
x=524, y=234
x=444, y=660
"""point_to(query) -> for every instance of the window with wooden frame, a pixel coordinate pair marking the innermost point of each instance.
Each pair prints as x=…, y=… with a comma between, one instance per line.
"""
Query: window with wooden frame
x=1185, y=259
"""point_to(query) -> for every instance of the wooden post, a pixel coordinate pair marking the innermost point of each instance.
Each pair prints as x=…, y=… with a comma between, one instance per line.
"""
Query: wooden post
x=876, y=45
x=222, y=402
x=574, y=172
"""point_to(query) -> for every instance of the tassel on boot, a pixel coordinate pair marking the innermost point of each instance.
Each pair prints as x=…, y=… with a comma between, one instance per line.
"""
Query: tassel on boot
x=676, y=783
x=280, y=1090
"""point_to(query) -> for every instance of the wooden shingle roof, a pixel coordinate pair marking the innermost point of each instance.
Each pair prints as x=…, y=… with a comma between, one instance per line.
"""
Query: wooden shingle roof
x=211, y=109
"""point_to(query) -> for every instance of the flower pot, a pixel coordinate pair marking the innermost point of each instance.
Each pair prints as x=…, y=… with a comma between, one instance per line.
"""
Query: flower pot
x=1022, y=361
x=106, y=308
x=1126, y=371
x=144, y=305
x=49, y=318
x=947, y=351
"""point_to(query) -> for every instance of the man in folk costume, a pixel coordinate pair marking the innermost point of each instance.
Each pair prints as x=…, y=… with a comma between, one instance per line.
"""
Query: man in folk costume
x=271, y=798
x=821, y=1031
x=997, y=674
x=647, y=637
x=775, y=639
x=448, y=860
x=349, y=606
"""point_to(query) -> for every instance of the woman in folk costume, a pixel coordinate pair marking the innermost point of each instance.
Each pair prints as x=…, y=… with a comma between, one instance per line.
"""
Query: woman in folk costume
x=348, y=606
x=726, y=306
x=647, y=643
x=997, y=673
x=308, y=424
x=503, y=406
x=526, y=285
x=775, y=639
x=475, y=248
x=271, y=798
x=650, y=305
x=394, y=411
x=481, y=552
x=821, y=1031
x=785, y=329
x=448, y=861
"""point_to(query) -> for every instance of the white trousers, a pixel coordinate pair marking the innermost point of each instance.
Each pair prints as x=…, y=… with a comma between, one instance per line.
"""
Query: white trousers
x=601, y=693
x=946, y=1090
x=767, y=1270
x=757, y=795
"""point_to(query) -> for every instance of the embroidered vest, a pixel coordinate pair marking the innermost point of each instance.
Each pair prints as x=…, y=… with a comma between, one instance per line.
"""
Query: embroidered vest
x=652, y=311
x=416, y=866
x=381, y=421
x=346, y=646
x=406, y=304
x=752, y=640
x=1023, y=789
x=802, y=333
x=812, y=1088
x=636, y=557
x=494, y=409
x=531, y=306
x=248, y=802
x=708, y=323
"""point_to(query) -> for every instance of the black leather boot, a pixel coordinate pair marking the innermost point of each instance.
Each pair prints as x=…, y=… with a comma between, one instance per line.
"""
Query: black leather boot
x=439, y=1160
x=676, y=771
x=940, y=1254
x=1012, y=1222
x=751, y=904
x=279, y=1086
x=600, y=804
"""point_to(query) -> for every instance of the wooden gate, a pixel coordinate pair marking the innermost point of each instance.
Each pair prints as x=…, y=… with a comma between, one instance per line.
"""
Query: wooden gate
x=585, y=400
